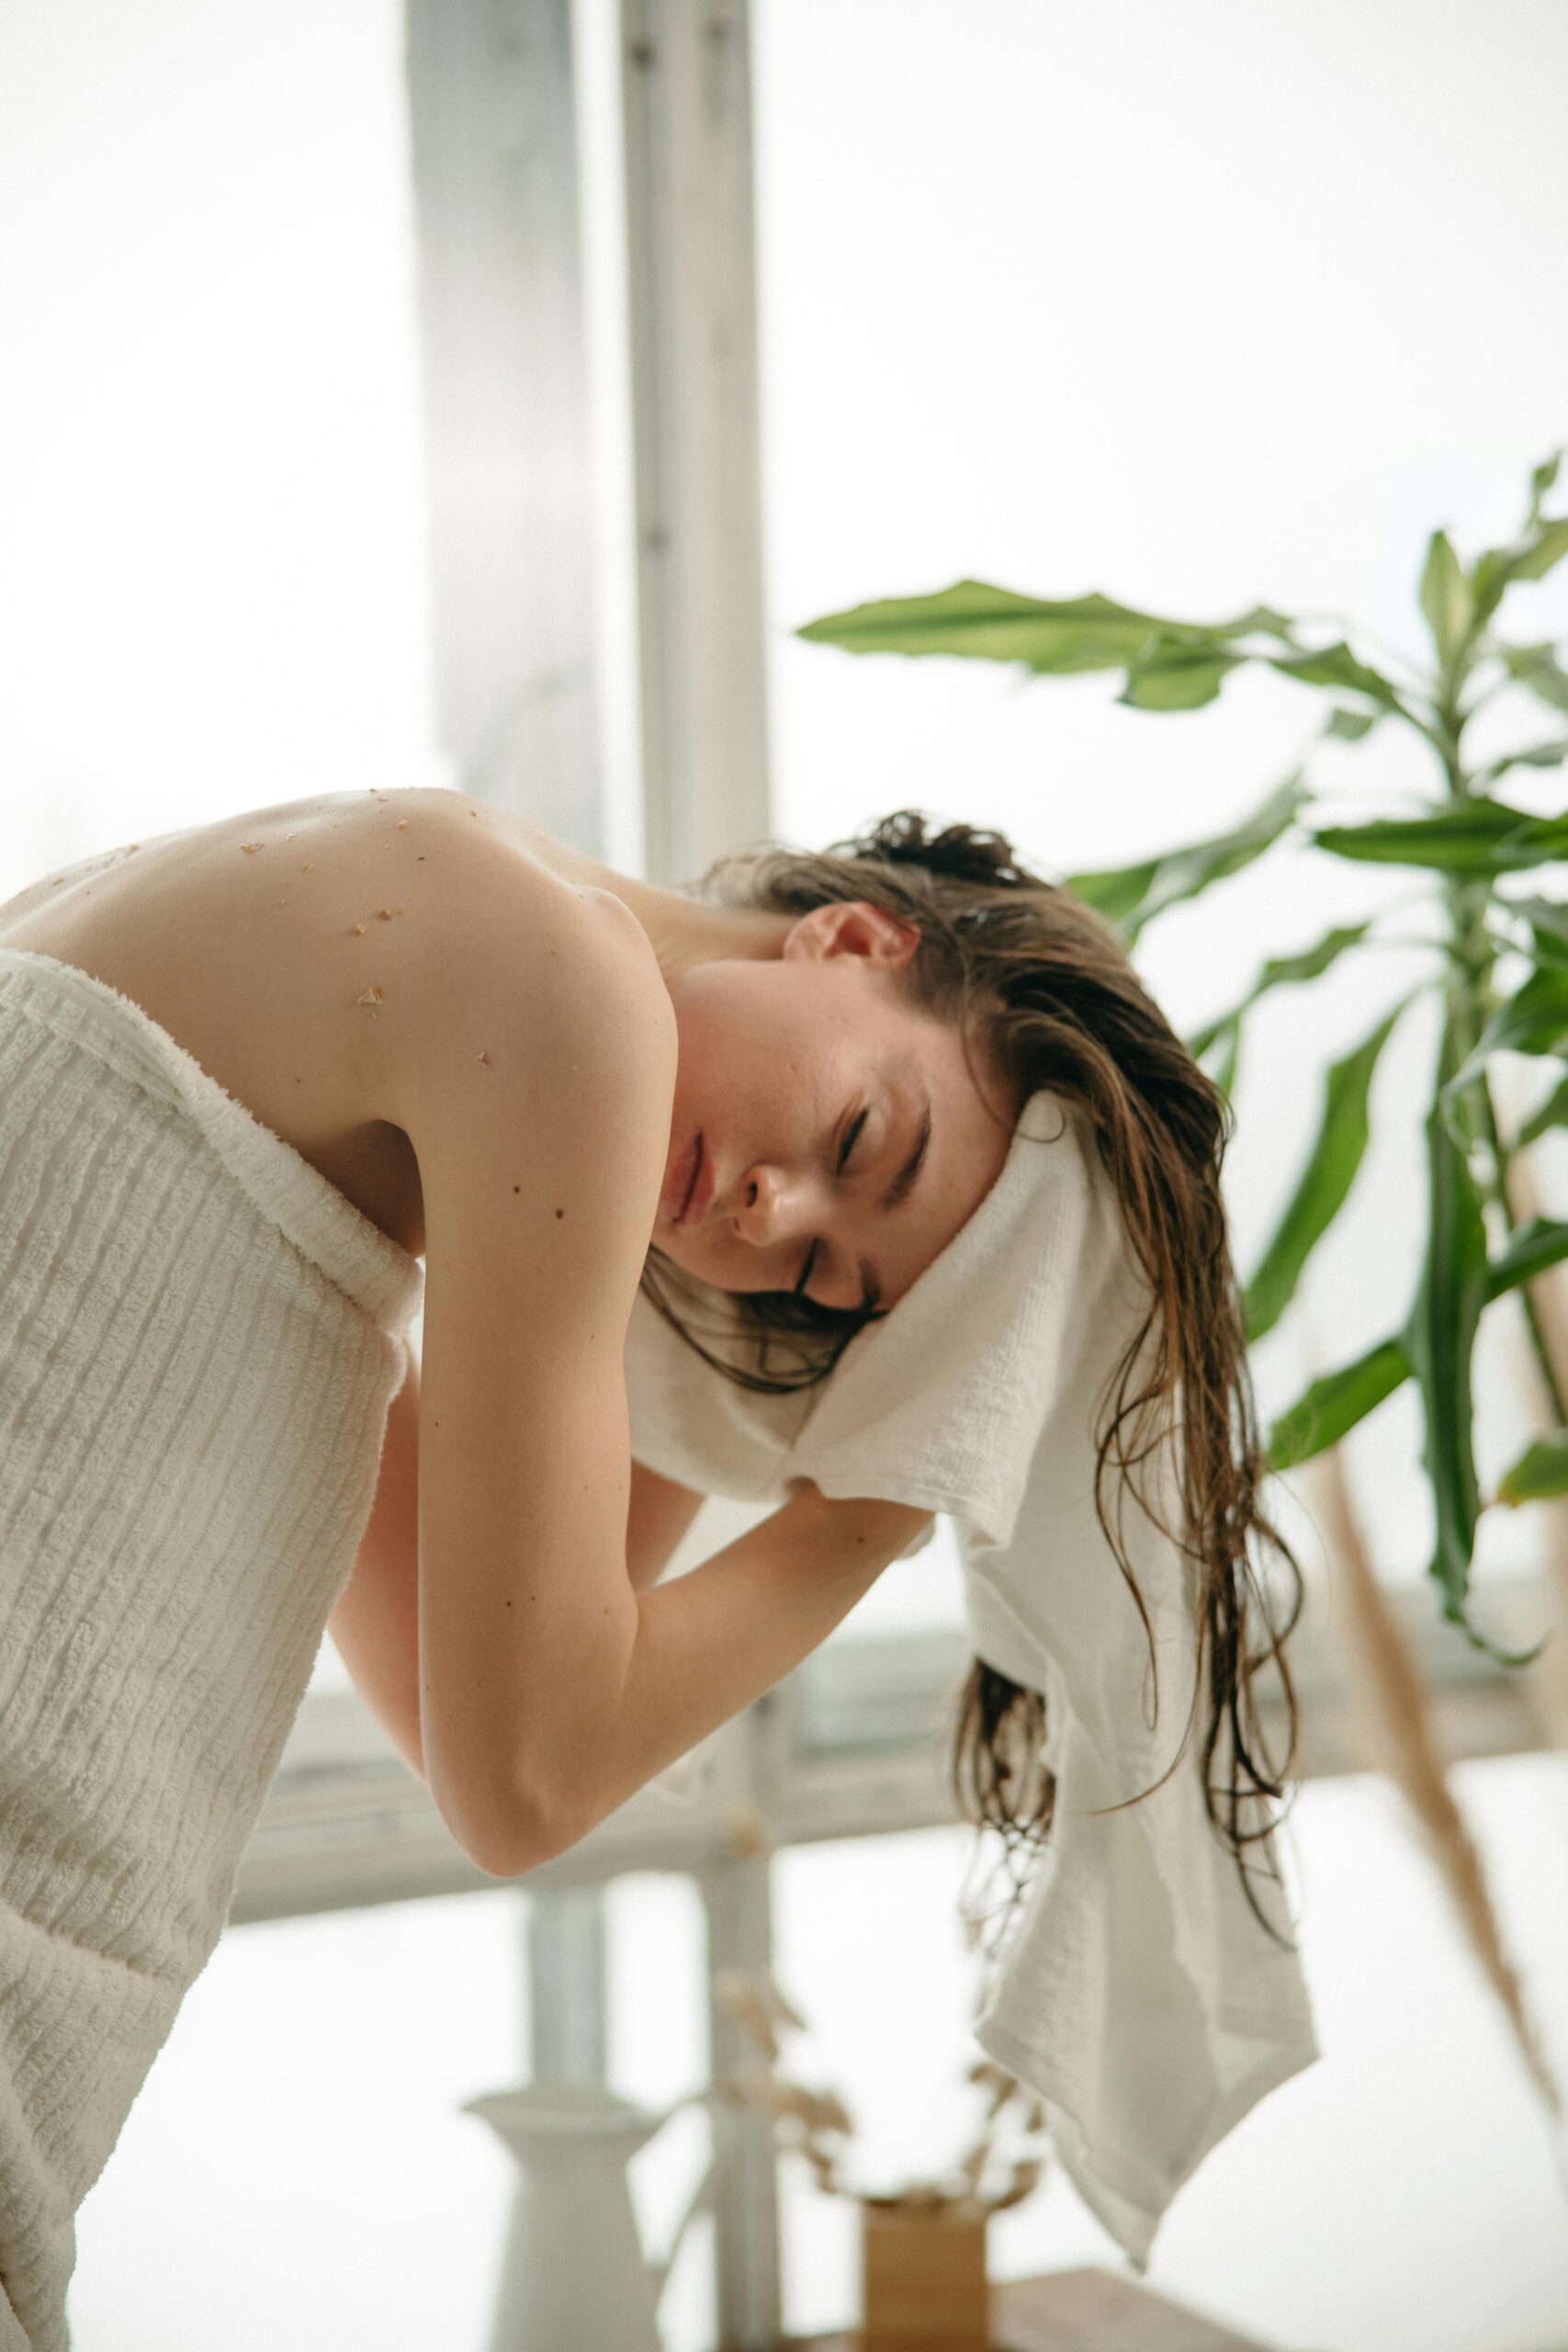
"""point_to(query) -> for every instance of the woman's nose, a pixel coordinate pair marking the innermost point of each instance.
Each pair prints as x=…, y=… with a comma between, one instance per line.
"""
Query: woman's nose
x=772, y=1204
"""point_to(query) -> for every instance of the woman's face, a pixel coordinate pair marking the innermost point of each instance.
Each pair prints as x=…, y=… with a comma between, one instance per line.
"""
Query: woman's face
x=833, y=1130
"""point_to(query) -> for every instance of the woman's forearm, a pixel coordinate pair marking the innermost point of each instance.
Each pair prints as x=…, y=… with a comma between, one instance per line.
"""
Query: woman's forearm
x=375, y=1625
x=712, y=1641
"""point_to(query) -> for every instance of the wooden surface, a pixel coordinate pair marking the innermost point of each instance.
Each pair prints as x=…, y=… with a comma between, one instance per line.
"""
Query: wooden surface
x=1078, y=2311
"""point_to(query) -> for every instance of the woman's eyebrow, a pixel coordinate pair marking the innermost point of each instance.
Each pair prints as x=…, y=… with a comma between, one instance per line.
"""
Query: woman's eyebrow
x=903, y=1184
x=897, y=1192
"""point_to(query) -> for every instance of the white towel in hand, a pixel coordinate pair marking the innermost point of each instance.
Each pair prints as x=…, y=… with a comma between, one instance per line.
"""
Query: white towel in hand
x=1135, y=1990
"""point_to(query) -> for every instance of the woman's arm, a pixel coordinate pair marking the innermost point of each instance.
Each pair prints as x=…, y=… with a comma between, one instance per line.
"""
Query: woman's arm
x=535, y=1080
x=708, y=1643
x=375, y=1625
x=659, y=1514
x=712, y=1641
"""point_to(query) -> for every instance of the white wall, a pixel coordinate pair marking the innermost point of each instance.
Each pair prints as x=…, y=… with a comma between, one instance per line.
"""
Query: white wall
x=213, y=568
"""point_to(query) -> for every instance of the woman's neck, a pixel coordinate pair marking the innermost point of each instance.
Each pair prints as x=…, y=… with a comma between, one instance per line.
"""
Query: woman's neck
x=682, y=931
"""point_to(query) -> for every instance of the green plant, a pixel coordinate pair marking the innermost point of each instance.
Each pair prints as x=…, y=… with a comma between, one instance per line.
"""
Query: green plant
x=1468, y=843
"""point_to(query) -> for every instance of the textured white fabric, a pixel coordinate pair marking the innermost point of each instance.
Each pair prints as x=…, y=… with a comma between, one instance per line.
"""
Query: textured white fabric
x=200, y=1338
x=1136, y=1990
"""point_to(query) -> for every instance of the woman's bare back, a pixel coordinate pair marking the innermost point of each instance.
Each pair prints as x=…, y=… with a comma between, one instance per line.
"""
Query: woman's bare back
x=259, y=943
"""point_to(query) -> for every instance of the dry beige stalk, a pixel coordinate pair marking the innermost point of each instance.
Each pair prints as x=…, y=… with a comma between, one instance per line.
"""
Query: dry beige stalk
x=1397, y=1719
x=1546, y=1682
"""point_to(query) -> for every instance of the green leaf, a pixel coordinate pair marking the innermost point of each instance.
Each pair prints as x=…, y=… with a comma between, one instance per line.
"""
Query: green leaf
x=1540, y=1471
x=1227, y=1027
x=1261, y=621
x=1530, y=1249
x=1542, y=547
x=1553, y=1112
x=1169, y=675
x=1131, y=895
x=1548, y=921
x=1225, y=1077
x=974, y=619
x=1335, y=1155
x=1337, y=666
x=1535, y=755
x=1445, y=598
x=1533, y=1020
x=1334, y=1403
x=1537, y=667
x=1307, y=964
x=1117, y=890
x=1541, y=481
x=1544, y=914
x=1439, y=1338
x=1184, y=873
x=1454, y=1612
x=1495, y=570
x=1488, y=579
x=1203, y=1040
x=1543, y=554
x=1550, y=950
x=978, y=621
x=1351, y=725
x=1476, y=835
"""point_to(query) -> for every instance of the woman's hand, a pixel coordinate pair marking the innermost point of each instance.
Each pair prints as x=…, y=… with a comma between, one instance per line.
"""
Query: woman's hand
x=712, y=1641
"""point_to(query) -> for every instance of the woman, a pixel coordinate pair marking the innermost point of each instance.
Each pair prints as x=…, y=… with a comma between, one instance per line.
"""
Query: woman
x=557, y=1084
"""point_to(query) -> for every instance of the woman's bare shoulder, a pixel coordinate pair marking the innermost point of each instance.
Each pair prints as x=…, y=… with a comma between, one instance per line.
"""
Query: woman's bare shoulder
x=520, y=966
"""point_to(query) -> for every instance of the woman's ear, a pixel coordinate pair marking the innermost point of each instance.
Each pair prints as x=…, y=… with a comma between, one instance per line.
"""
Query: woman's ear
x=853, y=927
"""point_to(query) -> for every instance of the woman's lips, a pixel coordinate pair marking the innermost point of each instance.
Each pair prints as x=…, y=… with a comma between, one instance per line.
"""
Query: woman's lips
x=690, y=1188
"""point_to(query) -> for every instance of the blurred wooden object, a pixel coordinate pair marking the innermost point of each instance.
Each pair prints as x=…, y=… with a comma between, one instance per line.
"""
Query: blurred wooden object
x=1076, y=2311
x=923, y=2274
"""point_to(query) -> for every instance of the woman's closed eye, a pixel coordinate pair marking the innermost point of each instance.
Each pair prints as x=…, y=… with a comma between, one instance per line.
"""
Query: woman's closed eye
x=850, y=1140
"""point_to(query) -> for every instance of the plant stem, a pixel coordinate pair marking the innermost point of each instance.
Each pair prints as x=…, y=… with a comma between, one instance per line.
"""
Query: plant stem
x=1499, y=1192
x=1471, y=997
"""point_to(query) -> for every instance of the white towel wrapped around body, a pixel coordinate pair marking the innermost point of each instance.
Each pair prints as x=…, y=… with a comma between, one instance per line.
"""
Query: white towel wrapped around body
x=200, y=1340
x=1136, y=1990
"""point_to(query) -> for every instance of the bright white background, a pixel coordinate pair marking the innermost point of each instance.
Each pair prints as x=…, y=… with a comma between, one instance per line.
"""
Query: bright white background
x=1196, y=308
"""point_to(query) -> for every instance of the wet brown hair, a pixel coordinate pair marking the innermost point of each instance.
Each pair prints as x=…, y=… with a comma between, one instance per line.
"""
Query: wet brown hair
x=1037, y=981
